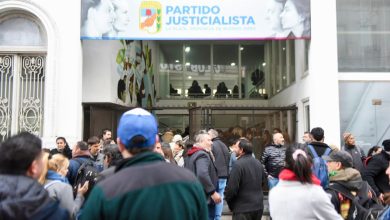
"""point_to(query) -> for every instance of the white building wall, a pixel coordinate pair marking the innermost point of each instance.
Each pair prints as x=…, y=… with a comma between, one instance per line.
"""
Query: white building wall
x=63, y=112
x=68, y=59
x=98, y=66
x=323, y=77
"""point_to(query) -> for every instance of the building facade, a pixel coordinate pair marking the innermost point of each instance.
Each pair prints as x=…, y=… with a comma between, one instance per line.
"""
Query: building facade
x=55, y=84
